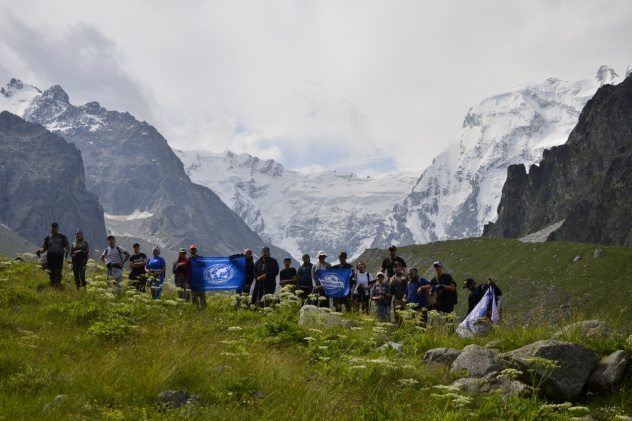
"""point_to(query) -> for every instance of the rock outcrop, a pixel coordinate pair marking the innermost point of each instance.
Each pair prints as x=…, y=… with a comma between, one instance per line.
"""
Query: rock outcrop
x=586, y=182
x=42, y=180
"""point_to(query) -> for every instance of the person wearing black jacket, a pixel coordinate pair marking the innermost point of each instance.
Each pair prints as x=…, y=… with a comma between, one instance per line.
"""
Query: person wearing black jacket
x=55, y=245
x=477, y=293
x=266, y=271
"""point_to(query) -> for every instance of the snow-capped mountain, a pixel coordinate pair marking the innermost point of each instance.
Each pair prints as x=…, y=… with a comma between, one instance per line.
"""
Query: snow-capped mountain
x=299, y=212
x=460, y=191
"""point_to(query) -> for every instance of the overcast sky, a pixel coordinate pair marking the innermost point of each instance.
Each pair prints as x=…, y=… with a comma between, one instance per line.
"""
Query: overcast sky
x=368, y=86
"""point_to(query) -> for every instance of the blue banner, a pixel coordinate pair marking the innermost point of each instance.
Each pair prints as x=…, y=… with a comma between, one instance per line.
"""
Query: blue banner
x=335, y=282
x=217, y=273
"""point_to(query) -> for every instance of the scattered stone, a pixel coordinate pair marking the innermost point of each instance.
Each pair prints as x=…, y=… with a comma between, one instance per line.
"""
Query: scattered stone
x=176, y=399
x=495, y=344
x=393, y=345
x=493, y=383
x=575, y=362
x=58, y=399
x=577, y=259
x=609, y=371
x=589, y=329
x=477, y=361
x=441, y=356
x=316, y=317
x=598, y=253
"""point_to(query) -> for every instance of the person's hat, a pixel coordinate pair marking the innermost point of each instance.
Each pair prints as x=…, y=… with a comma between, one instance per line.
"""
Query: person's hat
x=79, y=232
x=412, y=270
x=306, y=256
x=286, y=259
x=322, y=253
x=342, y=255
x=437, y=263
x=263, y=250
x=54, y=225
x=193, y=247
x=397, y=263
x=391, y=248
x=182, y=250
x=156, y=248
x=379, y=274
x=468, y=282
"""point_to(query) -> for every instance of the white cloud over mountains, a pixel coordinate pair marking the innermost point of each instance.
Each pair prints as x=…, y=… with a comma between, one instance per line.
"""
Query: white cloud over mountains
x=368, y=86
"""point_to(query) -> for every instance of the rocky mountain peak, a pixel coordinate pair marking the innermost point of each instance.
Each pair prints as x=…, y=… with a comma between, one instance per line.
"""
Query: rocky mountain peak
x=628, y=71
x=606, y=76
x=56, y=93
x=15, y=86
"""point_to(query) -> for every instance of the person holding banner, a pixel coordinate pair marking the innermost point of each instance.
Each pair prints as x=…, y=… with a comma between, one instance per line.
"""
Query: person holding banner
x=266, y=271
x=477, y=293
x=346, y=300
x=381, y=296
x=323, y=300
x=305, y=279
x=198, y=296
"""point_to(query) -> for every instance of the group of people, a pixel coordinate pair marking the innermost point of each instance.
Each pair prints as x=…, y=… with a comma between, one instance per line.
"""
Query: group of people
x=394, y=287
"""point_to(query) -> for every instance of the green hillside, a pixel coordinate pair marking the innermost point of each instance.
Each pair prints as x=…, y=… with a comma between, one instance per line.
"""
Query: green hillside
x=12, y=244
x=541, y=277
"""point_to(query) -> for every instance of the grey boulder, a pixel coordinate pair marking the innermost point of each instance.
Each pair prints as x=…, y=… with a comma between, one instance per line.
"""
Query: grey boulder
x=477, y=361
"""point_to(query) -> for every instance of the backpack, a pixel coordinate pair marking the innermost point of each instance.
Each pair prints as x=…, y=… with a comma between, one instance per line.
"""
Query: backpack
x=107, y=249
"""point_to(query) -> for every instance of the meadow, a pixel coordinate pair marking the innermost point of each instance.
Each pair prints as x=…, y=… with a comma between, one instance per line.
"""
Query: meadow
x=111, y=355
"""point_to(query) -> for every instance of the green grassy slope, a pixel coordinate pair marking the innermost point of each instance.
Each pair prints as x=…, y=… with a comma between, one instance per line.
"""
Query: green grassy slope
x=532, y=276
x=12, y=244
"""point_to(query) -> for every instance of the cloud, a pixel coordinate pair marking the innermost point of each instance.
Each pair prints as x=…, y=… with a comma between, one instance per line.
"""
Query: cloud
x=78, y=57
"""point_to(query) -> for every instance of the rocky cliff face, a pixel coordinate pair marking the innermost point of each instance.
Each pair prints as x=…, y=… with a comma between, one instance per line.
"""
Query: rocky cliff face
x=585, y=182
x=42, y=180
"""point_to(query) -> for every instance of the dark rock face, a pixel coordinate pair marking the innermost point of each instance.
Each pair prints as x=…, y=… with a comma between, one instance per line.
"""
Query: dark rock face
x=41, y=181
x=130, y=167
x=585, y=182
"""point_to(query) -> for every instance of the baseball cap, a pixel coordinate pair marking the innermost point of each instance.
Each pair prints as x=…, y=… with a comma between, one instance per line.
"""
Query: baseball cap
x=286, y=259
x=182, y=250
x=54, y=225
x=468, y=282
x=437, y=263
x=391, y=248
x=397, y=263
x=379, y=274
x=412, y=270
x=193, y=247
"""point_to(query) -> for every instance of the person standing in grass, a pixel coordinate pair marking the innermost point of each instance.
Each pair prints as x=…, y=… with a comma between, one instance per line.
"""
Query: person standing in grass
x=114, y=257
x=137, y=264
x=198, y=298
x=156, y=268
x=79, y=253
x=266, y=271
x=477, y=293
x=381, y=296
x=55, y=245
x=180, y=274
x=398, y=282
x=364, y=283
x=323, y=300
x=287, y=276
x=346, y=300
x=416, y=293
x=444, y=289
x=387, y=263
x=304, y=283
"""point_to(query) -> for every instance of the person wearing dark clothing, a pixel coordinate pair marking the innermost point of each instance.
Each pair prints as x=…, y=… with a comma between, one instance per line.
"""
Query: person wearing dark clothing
x=55, y=245
x=398, y=282
x=250, y=271
x=180, y=277
x=198, y=298
x=416, y=293
x=287, y=276
x=346, y=300
x=137, y=262
x=477, y=293
x=266, y=271
x=79, y=253
x=387, y=264
x=444, y=289
x=364, y=283
x=304, y=282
